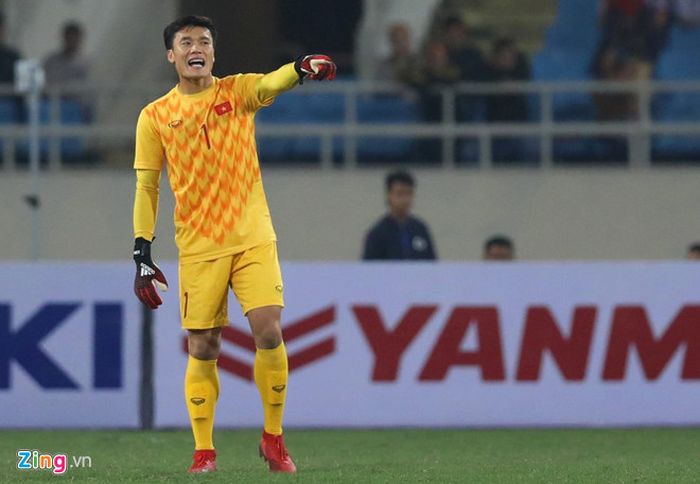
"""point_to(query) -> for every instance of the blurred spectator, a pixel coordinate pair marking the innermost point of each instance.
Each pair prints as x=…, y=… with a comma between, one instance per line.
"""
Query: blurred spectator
x=638, y=28
x=8, y=59
x=437, y=73
x=634, y=33
x=461, y=50
x=399, y=235
x=694, y=251
x=403, y=64
x=470, y=62
x=499, y=247
x=507, y=63
x=68, y=65
x=612, y=65
x=8, y=56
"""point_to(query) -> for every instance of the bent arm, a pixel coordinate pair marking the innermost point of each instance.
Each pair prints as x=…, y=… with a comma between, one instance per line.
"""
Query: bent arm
x=146, y=203
x=276, y=82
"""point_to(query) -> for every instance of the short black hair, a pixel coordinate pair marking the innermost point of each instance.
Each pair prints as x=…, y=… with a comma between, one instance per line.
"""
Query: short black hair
x=502, y=43
x=498, y=241
x=72, y=27
x=694, y=247
x=454, y=21
x=2, y=19
x=399, y=176
x=187, y=21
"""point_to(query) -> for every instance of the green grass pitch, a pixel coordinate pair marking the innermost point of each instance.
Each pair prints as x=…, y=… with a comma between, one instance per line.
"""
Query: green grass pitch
x=364, y=456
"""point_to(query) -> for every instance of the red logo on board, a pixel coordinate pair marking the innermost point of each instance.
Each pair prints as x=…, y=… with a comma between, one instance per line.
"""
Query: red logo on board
x=223, y=108
x=243, y=367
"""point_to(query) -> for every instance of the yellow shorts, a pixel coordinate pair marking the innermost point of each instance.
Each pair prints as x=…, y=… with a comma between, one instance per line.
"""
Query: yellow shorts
x=254, y=276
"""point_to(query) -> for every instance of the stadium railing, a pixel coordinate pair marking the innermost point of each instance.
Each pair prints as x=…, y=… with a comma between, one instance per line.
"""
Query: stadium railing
x=544, y=126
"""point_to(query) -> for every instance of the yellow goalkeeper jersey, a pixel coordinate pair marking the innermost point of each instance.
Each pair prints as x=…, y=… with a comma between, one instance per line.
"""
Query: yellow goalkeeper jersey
x=207, y=142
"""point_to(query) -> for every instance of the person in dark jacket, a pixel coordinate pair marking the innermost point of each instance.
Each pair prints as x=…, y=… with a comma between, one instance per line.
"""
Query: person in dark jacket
x=399, y=235
x=8, y=59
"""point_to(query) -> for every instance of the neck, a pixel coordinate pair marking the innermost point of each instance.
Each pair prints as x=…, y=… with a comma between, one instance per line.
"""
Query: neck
x=194, y=86
x=399, y=216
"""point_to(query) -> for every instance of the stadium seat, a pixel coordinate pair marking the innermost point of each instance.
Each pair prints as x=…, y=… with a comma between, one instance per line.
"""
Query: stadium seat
x=70, y=113
x=329, y=108
x=9, y=111
x=386, y=109
x=295, y=108
x=575, y=27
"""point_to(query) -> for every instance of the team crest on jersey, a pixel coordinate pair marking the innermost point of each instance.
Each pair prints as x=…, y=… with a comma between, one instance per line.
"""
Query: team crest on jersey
x=223, y=108
x=175, y=123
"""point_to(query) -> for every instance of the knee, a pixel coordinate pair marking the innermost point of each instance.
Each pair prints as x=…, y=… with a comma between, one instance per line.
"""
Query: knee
x=268, y=335
x=204, y=345
x=265, y=324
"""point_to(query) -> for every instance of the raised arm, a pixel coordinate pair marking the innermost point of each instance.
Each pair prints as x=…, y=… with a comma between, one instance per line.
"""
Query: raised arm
x=315, y=67
x=276, y=82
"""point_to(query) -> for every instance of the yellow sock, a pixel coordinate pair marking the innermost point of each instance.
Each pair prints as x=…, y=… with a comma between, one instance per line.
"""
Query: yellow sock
x=201, y=393
x=271, y=378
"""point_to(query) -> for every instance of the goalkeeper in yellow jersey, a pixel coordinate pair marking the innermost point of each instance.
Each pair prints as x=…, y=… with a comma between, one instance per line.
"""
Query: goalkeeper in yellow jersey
x=203, y=130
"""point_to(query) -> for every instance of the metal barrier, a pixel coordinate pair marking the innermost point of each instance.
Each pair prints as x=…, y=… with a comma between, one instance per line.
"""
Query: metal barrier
x=637, y=132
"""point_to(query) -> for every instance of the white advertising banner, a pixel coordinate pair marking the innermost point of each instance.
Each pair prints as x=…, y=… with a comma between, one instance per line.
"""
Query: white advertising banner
x=468, y=344
x=69, y=345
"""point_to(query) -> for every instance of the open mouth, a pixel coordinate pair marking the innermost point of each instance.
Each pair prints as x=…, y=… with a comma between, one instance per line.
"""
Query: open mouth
x=196, y=62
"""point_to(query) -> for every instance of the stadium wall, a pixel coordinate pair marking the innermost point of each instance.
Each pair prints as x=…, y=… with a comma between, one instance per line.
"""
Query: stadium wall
x=323, y=215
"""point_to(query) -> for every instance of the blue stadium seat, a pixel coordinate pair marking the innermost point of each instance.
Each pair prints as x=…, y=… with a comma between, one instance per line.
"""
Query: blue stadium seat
x=556, y=64
x=329, y=108
x=70, y=113
x=386, y=109
x=684, y=40
x=9, y=111
x=678, y=65
x=294, y=108
x=575, y=26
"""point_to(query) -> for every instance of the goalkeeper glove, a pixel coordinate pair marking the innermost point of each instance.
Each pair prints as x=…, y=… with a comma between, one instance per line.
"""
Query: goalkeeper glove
x=316, y=67
x=148, y=275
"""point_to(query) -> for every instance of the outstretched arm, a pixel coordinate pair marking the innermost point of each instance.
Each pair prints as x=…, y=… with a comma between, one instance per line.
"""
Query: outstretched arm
x=316, y=67
x=276, y=82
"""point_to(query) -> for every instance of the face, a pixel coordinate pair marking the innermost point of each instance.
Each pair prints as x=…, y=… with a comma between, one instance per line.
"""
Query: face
x=498, y=252
x=506, y=58
x=72, y=40
x=400, y=38
x=437, y=56
x=192, y=53
x=694, y=255
x=456, y=35
x=400, y=198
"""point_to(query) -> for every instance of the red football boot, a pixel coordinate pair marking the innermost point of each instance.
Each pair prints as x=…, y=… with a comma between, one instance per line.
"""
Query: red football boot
x=203, y=461
x=274, y=452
